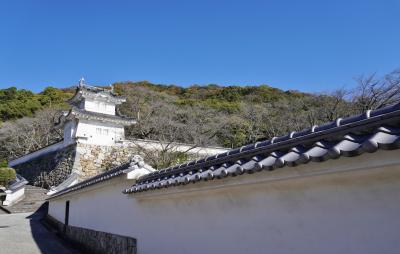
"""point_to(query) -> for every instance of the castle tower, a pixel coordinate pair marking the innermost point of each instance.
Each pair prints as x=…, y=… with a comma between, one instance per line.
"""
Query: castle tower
x=93, y=118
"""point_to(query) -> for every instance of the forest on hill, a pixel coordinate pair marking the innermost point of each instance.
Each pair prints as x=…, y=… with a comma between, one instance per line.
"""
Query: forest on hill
x=211, y=115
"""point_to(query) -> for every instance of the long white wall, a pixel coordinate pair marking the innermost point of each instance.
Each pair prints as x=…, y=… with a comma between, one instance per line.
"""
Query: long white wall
x=177, y=147
x=349, y=205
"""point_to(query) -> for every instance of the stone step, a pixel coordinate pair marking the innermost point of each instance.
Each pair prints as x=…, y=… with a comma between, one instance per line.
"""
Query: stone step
x=34, y=198
x=36, y=191
x=35, y=194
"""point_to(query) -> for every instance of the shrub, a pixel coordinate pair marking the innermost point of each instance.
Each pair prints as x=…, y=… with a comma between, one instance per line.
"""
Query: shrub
x=6, y=175
x=3, y=163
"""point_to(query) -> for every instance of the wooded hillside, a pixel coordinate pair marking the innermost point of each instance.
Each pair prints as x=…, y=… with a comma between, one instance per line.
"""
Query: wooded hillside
x=16, y=103
x=228, y=116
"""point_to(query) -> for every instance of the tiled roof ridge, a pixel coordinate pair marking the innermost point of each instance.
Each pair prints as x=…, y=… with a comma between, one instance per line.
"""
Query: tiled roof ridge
x=93, y=180
x=96, y=89
x=370, y=118
x=18, y=182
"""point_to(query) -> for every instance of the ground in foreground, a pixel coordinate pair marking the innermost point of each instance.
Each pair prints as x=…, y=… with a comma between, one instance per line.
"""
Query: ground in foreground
x=24, y=233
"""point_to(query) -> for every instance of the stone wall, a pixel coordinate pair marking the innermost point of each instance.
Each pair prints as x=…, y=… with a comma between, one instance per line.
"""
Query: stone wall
x=52, y=168
x=95, y=159
x=92, y=241
x=49, y=169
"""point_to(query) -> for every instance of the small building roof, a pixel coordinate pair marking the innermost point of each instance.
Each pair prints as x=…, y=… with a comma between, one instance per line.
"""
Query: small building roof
x=351, y=136
x=76, y=113
x=99, y=93
x=90, y=115
x=136, y=163
x=17, y=183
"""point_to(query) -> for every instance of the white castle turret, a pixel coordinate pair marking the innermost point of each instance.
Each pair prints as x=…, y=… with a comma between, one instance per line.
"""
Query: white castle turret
x=94, y=142
x=93, y=118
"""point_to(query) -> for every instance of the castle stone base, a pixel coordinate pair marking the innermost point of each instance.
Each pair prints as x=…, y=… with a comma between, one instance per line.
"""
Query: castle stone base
x=51, y=169
x=95, y=159
x=48, y=169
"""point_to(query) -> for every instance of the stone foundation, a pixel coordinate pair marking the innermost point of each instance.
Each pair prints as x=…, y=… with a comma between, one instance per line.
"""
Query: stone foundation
x=50, y=169
x=53, y=168
x=92, y=241
x=95, y=159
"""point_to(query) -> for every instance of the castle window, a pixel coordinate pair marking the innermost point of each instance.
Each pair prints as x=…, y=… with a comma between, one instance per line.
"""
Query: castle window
x=102, y=131
x=101, y=106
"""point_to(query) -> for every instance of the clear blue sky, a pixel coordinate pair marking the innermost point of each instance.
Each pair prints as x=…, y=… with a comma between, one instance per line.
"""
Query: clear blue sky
x=309, y=45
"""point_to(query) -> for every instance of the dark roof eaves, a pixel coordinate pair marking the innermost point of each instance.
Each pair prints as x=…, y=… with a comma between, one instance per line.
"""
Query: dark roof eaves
x=96, y=114
x=42, y=148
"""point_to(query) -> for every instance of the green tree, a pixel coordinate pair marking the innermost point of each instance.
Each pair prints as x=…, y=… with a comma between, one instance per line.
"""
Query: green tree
x=6, y=175
x=3, y=163
x=53, y=97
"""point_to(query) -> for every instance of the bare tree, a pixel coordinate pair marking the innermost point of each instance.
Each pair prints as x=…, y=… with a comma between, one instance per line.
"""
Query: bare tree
x=372, y=92
x=169, y=125
x=170, y=119
x=28, y=134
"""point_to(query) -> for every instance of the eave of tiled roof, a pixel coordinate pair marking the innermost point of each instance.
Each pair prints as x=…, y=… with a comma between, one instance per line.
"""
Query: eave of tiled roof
x=93, y=180
x=100, y=116
x=17, y=183
x=351, y=136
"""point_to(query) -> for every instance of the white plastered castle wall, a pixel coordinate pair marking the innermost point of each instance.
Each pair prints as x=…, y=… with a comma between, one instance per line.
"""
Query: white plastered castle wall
x=99, y=133
x=69, y=132
x=100, y=106
x=349, y=205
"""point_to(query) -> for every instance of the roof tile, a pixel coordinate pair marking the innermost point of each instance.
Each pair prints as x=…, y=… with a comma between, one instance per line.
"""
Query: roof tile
x=351, y=136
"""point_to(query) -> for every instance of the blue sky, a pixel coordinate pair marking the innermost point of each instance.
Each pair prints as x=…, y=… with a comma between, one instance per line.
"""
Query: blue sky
x=308, y=45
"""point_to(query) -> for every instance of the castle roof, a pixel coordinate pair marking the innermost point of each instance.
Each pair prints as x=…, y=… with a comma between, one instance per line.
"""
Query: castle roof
x=351, y=136
x=76, y=113
x=94, y=92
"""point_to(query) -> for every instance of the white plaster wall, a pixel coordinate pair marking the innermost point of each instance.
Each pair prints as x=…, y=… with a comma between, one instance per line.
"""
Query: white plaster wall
x=69, y=132
x=99, y=106
x=99, y=133
x=14, y=196
x=57, y=210
x=178, y=147
x=353, y=209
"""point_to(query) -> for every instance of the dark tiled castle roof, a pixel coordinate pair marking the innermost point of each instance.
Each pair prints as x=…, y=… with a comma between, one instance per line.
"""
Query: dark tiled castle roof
x=352, y=136
x=100, y=116
x=95, y=90
x=84, y=114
